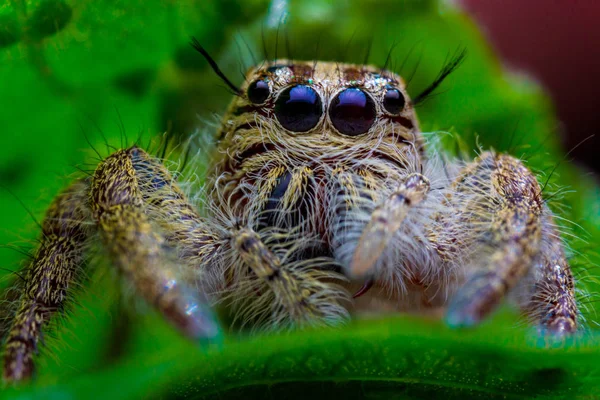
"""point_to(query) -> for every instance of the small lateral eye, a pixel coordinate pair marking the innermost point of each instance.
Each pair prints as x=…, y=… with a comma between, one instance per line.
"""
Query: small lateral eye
x=352, y=112
x=299, y=108
x=393, y=101
x=258, y=91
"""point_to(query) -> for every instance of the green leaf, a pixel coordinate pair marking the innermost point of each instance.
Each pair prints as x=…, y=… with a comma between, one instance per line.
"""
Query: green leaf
x=110, y=72
x=395, y=358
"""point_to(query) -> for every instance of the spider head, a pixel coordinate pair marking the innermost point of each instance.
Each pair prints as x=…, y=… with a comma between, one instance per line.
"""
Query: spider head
x=310, y=108
x=326, y=101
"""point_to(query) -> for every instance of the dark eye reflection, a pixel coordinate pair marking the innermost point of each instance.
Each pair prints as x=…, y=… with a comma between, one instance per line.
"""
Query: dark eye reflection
x=352, y=112
x=298, y=108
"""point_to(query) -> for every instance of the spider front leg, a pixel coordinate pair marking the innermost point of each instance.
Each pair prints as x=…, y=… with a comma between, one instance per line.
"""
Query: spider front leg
x=124, y=190
x=499, y=231
x=143, y=219
x=385, y=221
x=302, y=291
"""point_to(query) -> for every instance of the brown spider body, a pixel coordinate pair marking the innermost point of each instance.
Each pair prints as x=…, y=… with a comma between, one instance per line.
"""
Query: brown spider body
x=320, y=187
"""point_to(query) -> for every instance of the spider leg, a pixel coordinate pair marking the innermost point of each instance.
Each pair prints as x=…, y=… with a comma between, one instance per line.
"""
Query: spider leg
x=120, y=186
x=385, y=221
x=54, y=268
x=303, y=294
x=267, y=267
x=552, y=304
x=181, y=225
x=499, y=217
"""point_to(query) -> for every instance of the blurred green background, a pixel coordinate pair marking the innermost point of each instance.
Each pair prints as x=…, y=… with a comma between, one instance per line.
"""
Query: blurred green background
x=73, y=72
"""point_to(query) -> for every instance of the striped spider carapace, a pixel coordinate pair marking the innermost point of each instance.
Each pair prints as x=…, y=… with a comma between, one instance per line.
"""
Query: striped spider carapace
x=323, y=200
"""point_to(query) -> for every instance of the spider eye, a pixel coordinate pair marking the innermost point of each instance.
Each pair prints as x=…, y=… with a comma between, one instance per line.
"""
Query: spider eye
x=393, y=101
x=258, y=91
x=298, y=108
x=352, y=112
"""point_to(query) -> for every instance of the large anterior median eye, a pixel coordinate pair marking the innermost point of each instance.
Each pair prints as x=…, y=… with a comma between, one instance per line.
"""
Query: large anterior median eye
x=298, y=108
x=352, y=112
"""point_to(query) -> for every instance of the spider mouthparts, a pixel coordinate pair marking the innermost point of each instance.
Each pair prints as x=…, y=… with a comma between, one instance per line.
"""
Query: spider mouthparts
x=364, y=289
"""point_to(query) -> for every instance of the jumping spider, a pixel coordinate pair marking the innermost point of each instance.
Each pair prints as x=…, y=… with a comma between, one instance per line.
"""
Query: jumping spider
x=322, y=201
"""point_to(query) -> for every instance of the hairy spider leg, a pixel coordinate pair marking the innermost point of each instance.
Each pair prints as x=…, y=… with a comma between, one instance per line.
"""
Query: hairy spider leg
x=181, y=225
x=551, y=304
x=500, y=209
x=385, y=221
x=138, y=250
x=54, y=269
x=298, y=292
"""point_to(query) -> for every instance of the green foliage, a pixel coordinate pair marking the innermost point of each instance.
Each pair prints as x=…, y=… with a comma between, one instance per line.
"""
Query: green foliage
x=383, y=359
x=73, y=72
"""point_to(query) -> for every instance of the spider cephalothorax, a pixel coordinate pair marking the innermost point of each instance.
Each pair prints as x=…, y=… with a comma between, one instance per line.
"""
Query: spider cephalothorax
x=303, y=126
x=322, y=201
